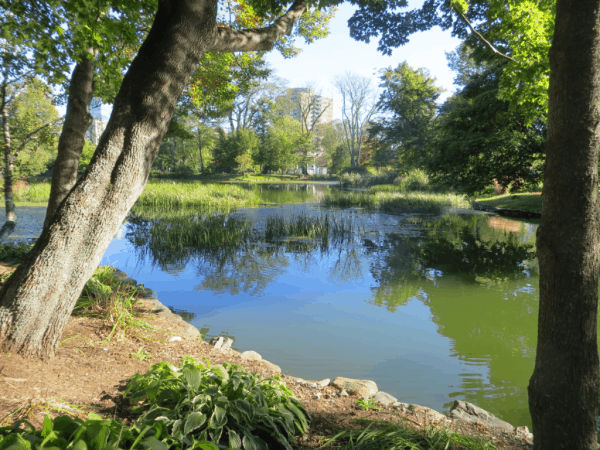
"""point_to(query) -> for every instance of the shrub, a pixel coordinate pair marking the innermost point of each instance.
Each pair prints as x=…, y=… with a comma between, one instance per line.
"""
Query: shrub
x=414, y=181
x=222, y=403
x=361, y=170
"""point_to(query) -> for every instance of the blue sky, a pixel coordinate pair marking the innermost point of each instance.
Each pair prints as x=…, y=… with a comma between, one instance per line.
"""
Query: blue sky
x=320, y=62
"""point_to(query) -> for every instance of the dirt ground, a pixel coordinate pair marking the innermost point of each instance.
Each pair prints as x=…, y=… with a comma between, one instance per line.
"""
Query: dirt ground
x=89, y=375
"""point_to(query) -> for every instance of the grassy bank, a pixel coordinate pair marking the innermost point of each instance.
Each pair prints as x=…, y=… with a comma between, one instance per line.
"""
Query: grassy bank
x=527, y=202
x=390, y=200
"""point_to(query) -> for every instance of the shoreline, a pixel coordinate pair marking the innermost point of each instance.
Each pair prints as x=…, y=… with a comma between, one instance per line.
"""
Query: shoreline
x=362, y=389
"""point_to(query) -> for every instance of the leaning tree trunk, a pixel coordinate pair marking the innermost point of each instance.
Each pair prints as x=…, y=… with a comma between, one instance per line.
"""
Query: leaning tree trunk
x=71, y=141
x=36, y=301
x=563, y=391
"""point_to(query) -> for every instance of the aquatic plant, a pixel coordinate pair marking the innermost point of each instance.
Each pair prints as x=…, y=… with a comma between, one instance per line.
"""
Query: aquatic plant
x=320, y=226
x=169, y=195
x=33, y=193
x=347, y=199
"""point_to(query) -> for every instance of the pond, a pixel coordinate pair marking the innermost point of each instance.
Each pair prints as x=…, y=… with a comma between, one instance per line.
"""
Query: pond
x=431, y=308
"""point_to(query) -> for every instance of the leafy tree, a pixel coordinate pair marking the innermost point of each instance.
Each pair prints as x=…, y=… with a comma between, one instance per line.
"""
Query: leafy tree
x=408, y=103
x=331, y=141
x=86, y=155
x=279, y=146
x=230, y=146
x=45, y=287
x=479, y=139
x=358, y=106
x=28, y=121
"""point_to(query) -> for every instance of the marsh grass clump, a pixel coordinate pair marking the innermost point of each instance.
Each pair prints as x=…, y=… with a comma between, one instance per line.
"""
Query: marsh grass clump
x=405, y=437
x=347, y=199
x=33, y=193
x=314, y=227
x=169, y=195
x=384, y=188
x=418, y=202
x=184, y=231
x=105, y=297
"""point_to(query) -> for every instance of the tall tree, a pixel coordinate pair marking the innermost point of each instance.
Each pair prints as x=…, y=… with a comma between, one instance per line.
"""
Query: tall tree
x=359, y=103
x=37, y=300
x=408, y=103
x=27, y=117
x=563, y=391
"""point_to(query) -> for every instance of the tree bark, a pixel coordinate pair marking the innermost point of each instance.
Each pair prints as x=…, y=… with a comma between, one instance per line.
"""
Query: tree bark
x=11, y=215
x=563, y=391
x=72, y=138
x=36, y=301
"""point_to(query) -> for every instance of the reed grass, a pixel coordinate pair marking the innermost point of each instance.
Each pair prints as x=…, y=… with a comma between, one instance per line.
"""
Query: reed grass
x=32, y=193
x=388, y=201
x=169, y=195
x=405, y=437
x=321, y=226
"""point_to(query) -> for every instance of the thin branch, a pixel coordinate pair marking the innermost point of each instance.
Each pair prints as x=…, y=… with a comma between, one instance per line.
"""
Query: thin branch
x=31, y=135
x=485, y=41
x=229, y=40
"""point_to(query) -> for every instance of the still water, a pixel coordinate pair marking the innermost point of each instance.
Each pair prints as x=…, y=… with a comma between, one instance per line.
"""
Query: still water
x=432, y=308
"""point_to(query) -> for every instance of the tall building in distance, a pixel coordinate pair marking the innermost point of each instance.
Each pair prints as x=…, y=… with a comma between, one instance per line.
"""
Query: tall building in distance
x=318, y=109
x=98, y=125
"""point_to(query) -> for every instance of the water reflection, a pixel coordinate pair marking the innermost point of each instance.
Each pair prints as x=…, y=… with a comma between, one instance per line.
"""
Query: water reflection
x=372, y=298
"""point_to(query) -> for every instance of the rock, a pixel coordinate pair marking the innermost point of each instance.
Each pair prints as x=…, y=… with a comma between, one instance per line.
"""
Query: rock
x=217, y=342
x=250, y=355
x=384, y=398
x=271, y=366
x=317, y=396
x=524, y=433
x=360, y=388
x=468, y=411
x=324, y=382
x=400, y=406
x=344, y=393
x=175, y=338
x=309, y=384
x=427, y=412
x=227, y=344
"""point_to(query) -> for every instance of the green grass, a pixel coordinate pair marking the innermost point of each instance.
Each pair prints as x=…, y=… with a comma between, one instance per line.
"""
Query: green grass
x=386, y=200
x=404, y=437
x=168, y=195
x=527, y=202
x=33, y=193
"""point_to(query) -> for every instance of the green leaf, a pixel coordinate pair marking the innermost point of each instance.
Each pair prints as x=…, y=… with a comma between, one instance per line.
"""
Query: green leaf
x=234, y=439
x=194, y=421
x=154, y=444
x=220, y=372
x=246, y=409
x=47, y=426
x=218, y=419
x=178, y=429
x=193, y=376
x=205, y=445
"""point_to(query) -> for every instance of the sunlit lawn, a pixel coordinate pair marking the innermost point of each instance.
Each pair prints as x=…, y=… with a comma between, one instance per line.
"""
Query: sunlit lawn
x=527, y=202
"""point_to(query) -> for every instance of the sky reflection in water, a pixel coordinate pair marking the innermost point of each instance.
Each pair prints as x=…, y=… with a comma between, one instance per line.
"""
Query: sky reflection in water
x=432, y=309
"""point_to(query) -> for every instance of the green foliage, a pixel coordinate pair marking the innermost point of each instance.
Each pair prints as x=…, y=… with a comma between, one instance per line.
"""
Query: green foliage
x=479, y=140
x=527, y=202
x=368, y=405
x=168, y=195
x=13, y=253
x=409, y=102
x=405, y=437
x=230, y=146
x=86, y=155
x=33, y=192
x=415, y=180
x=222, y=403
x=282, y=140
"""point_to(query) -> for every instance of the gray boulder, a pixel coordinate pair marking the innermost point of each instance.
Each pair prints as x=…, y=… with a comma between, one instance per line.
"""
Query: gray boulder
x=384, y=398
x=468, y=411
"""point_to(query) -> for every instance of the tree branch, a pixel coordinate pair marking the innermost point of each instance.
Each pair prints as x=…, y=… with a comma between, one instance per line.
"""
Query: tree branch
x=485, y=41
x=31, y=135
x=229, y=40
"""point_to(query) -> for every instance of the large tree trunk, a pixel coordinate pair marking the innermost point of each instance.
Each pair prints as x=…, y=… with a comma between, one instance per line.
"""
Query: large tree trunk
x=72, y=138
x=36, y=301
x=563, y=391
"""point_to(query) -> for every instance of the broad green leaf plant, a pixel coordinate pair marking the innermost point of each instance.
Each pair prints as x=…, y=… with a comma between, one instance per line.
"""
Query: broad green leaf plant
x=220, y=404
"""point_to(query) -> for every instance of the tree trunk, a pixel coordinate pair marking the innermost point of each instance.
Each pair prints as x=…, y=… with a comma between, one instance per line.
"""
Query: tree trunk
x=11, y=215
x=36, y=301
x=72, y=137
x=563, y=391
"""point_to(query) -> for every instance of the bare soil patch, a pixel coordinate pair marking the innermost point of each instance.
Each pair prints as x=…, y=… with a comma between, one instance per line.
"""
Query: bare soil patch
x=89, y=375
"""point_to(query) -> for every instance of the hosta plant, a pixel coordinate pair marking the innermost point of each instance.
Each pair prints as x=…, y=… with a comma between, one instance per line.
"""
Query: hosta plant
x=222, y=404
